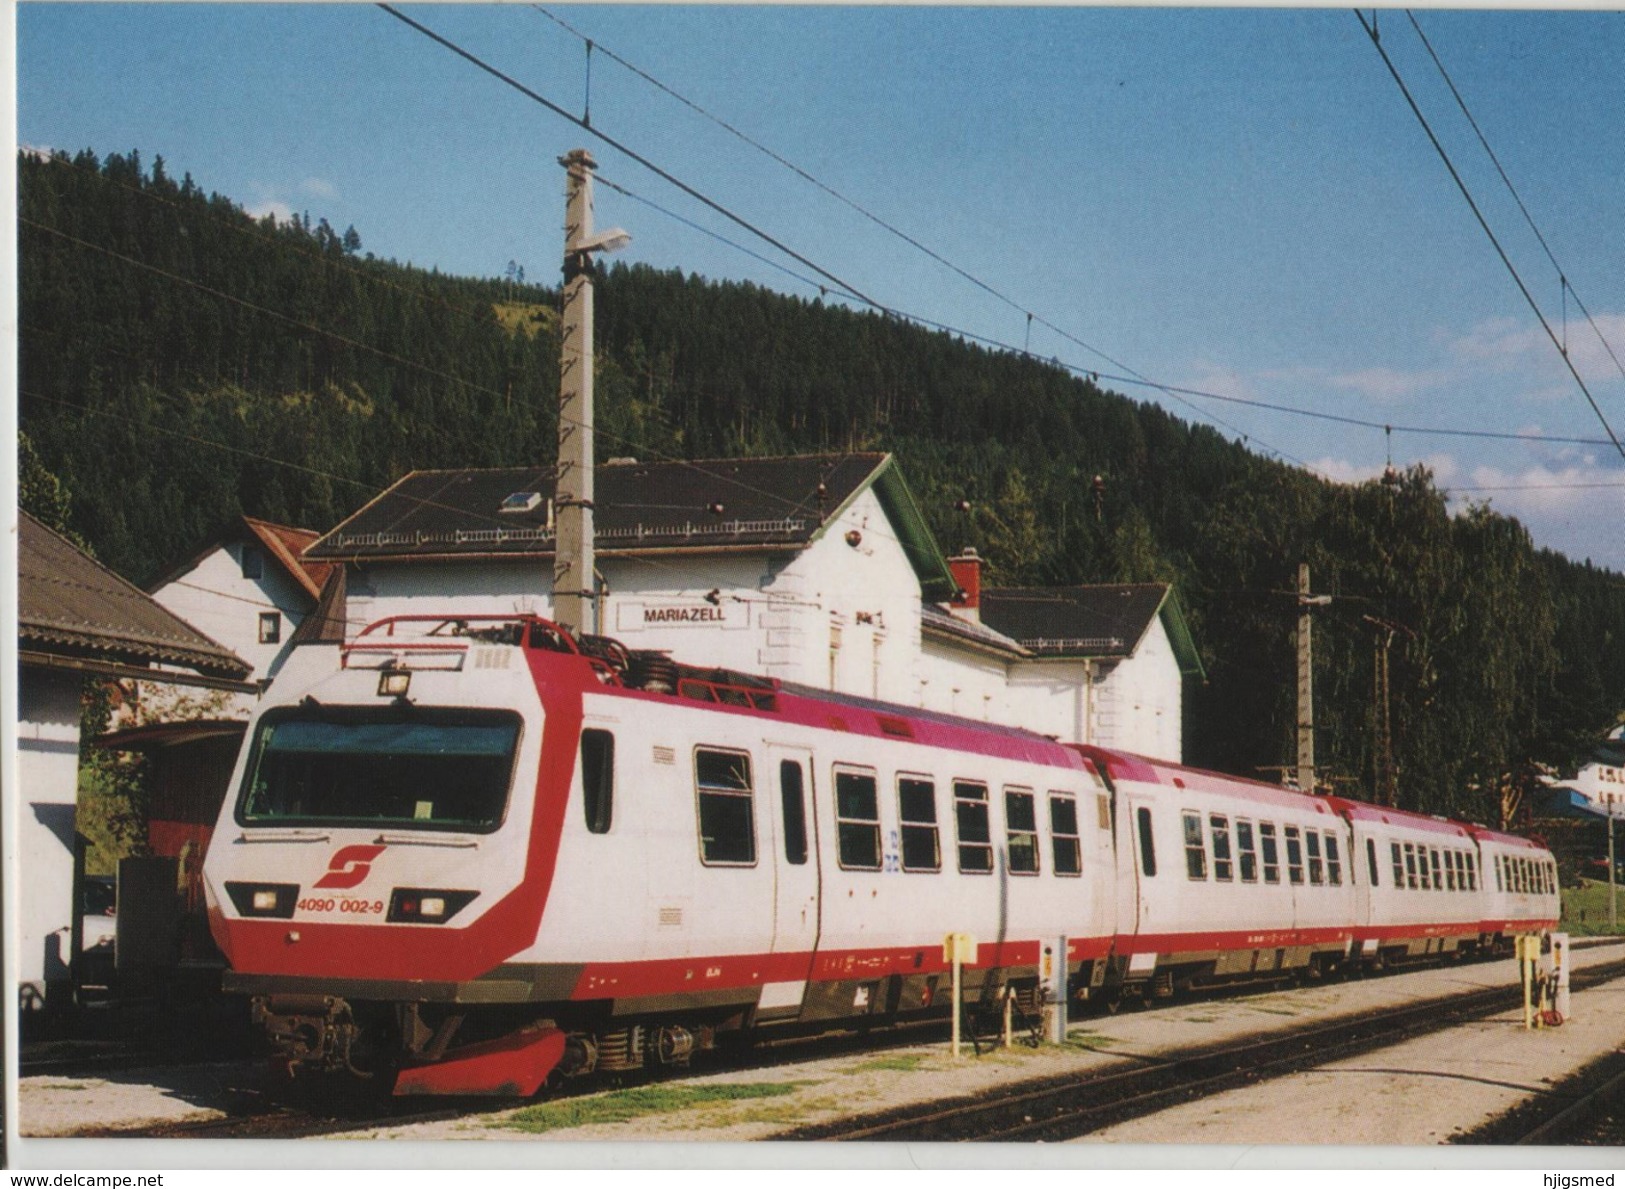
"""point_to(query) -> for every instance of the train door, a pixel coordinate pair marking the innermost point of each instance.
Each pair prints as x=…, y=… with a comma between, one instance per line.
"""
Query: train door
x=1135, y=890
x=796, y=883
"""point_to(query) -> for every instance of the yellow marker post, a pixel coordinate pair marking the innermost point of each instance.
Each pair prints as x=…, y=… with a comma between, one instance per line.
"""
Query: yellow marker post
x=957, y=949
x=1527, y=949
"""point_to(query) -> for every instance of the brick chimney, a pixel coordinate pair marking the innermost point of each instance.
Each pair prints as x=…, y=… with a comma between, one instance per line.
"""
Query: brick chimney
x=967, y=572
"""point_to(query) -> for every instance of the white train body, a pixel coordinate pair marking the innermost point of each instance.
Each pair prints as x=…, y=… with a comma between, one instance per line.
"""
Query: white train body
x=474, y=853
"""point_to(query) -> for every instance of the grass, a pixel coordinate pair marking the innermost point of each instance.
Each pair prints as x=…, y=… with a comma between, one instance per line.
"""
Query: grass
x=620, y=1106
x=1585, y=910
x=896, y=1063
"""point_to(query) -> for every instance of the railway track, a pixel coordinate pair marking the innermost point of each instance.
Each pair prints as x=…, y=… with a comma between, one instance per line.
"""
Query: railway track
x=1065, y=1108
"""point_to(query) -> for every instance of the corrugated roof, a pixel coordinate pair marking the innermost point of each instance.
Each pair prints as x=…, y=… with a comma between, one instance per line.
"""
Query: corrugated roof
x=287, y=545
x=70, y=605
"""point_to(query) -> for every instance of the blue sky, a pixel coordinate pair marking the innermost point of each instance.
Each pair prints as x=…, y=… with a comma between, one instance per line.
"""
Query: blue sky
x=1231, y=200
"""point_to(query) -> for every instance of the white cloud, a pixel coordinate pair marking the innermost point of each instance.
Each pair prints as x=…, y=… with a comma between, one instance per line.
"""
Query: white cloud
x=1386, y=385
x=318, y=188
x=271, y=206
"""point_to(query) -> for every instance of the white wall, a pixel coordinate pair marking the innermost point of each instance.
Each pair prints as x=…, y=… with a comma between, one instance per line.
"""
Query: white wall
x=215, y=598
x=1137, y=702
x=48, y=781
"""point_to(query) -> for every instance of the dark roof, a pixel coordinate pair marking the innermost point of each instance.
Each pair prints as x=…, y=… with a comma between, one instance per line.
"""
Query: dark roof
x=934, y=621
x=1088, y=621
x=638, y=508
x=70, y=606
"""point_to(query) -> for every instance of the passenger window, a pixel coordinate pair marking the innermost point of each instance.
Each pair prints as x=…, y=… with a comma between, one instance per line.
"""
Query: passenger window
x=1334, y=862
x=970, y=823
x=792, y=799
x=1500, y=879
x=1438, y=872
x=857, y=820
x=598, y=778
x=1195, y=853
x=1020, y=831
x=1148, y=847
x=1472, y=873
x=1220, y=828
x=1294, y=855
x=727, y=808
x=1245, y=852
x=1399, y=867
x=917, y=811
x=1410, y=865
x=1063, y=832
x=1317, y=873
x=1371, y=860
x=1272, y=861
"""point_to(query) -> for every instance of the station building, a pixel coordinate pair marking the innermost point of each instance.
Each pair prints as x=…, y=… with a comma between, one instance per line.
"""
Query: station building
x=76, y=620
x=818, y=570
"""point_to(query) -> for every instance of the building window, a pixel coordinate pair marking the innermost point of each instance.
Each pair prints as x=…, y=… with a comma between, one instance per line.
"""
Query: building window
x=1334, y=862
x=1195, y=852
x=1020, y=832
x=270, y=627
x=971, y=827
x=917, y=811
x=727, y=809
x=857, y=820
x=253, y=563
x=1294, y=854
x=792, y=800
x=1063, y=832
x=598, y=778
x=1272, y=858
x=1245, y=851
x=1317, y=873
x=1220, y=829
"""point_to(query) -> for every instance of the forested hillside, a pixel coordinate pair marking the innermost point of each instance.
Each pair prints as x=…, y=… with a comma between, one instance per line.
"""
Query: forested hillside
x=182, y=362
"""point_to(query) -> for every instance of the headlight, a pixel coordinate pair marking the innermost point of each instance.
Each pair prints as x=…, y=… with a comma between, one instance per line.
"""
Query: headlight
x=427, y=906
x=263, y=899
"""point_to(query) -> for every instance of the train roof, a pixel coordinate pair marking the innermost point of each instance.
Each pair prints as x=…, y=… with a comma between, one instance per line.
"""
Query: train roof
x=1367, y=812
x=1485, y=834
x=1122, y=765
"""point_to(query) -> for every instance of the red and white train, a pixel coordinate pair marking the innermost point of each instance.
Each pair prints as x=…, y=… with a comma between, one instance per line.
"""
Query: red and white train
x=466, y=854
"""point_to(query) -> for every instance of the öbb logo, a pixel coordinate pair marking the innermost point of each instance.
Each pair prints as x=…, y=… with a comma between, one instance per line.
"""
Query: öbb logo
x=349, y=866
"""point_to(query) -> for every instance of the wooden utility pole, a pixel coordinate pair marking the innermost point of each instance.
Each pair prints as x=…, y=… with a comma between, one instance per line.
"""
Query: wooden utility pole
x=574, y=587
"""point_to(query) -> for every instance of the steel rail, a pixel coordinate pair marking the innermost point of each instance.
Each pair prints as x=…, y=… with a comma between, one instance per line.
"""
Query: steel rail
x=1068, y=1107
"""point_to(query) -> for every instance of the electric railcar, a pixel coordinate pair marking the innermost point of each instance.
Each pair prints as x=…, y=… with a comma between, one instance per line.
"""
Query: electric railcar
x=469, y=853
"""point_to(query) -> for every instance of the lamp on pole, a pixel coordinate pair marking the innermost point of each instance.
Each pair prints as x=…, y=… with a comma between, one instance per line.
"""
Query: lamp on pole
x=574, y=595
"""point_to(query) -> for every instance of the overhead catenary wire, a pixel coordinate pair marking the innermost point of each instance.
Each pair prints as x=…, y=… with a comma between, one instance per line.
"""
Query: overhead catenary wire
x=1483, y=223
x=625, y=150
x=1567, y=288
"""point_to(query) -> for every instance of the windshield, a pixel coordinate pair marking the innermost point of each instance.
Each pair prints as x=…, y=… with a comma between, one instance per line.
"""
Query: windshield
x=432, y=772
